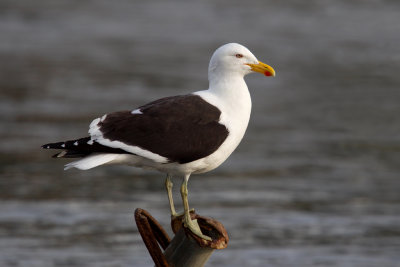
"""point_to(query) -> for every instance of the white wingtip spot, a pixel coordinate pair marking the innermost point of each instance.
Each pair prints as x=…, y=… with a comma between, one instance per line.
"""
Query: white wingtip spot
x=61, y=154
x=63, y=145
x=76, y=143
x=47, y=146
x=136, y=111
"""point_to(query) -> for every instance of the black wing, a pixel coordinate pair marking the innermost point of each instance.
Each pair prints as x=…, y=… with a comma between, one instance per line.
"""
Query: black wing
x=180, y=128
x=80, y=148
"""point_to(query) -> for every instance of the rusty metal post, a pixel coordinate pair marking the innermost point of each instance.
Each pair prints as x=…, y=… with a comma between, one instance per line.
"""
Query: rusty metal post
x=185, y=249
x=152, y=234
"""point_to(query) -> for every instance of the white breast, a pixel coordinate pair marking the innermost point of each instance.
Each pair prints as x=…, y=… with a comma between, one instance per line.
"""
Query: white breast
x=235, y=106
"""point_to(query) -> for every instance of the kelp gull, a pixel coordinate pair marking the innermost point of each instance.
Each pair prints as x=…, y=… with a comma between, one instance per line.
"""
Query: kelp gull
x=178, y=135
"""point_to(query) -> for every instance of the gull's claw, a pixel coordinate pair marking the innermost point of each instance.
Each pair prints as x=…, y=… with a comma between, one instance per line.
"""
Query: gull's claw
x=194, y=227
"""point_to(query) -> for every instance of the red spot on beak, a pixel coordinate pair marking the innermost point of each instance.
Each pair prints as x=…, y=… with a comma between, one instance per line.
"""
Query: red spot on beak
x=267, y=73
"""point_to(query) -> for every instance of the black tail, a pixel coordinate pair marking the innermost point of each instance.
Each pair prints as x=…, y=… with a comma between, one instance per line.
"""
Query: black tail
x=80, y=148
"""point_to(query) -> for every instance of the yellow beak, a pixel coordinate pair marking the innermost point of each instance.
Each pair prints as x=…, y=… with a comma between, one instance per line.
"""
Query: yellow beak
x=262, y=68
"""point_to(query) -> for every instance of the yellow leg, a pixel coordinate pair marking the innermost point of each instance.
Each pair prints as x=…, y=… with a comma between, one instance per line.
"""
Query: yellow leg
x=187, y=221
x=168, y=185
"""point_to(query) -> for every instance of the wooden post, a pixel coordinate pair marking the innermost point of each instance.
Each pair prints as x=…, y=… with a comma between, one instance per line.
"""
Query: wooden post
x=185, y=249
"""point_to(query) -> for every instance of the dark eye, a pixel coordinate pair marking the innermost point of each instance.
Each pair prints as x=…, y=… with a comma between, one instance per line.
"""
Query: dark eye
x=239, y=55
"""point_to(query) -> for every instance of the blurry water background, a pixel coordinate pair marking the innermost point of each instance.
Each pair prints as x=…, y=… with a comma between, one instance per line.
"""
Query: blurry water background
x=315, y=182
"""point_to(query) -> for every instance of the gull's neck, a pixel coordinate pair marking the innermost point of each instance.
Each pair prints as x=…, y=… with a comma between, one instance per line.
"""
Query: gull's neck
x=230, y=86
x=230, y=93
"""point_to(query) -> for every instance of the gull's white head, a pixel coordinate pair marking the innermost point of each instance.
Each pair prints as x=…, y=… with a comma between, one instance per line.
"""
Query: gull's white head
x=235, y=59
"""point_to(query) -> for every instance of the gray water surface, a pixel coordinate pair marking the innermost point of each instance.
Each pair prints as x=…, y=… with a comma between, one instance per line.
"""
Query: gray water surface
x=315, y=182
